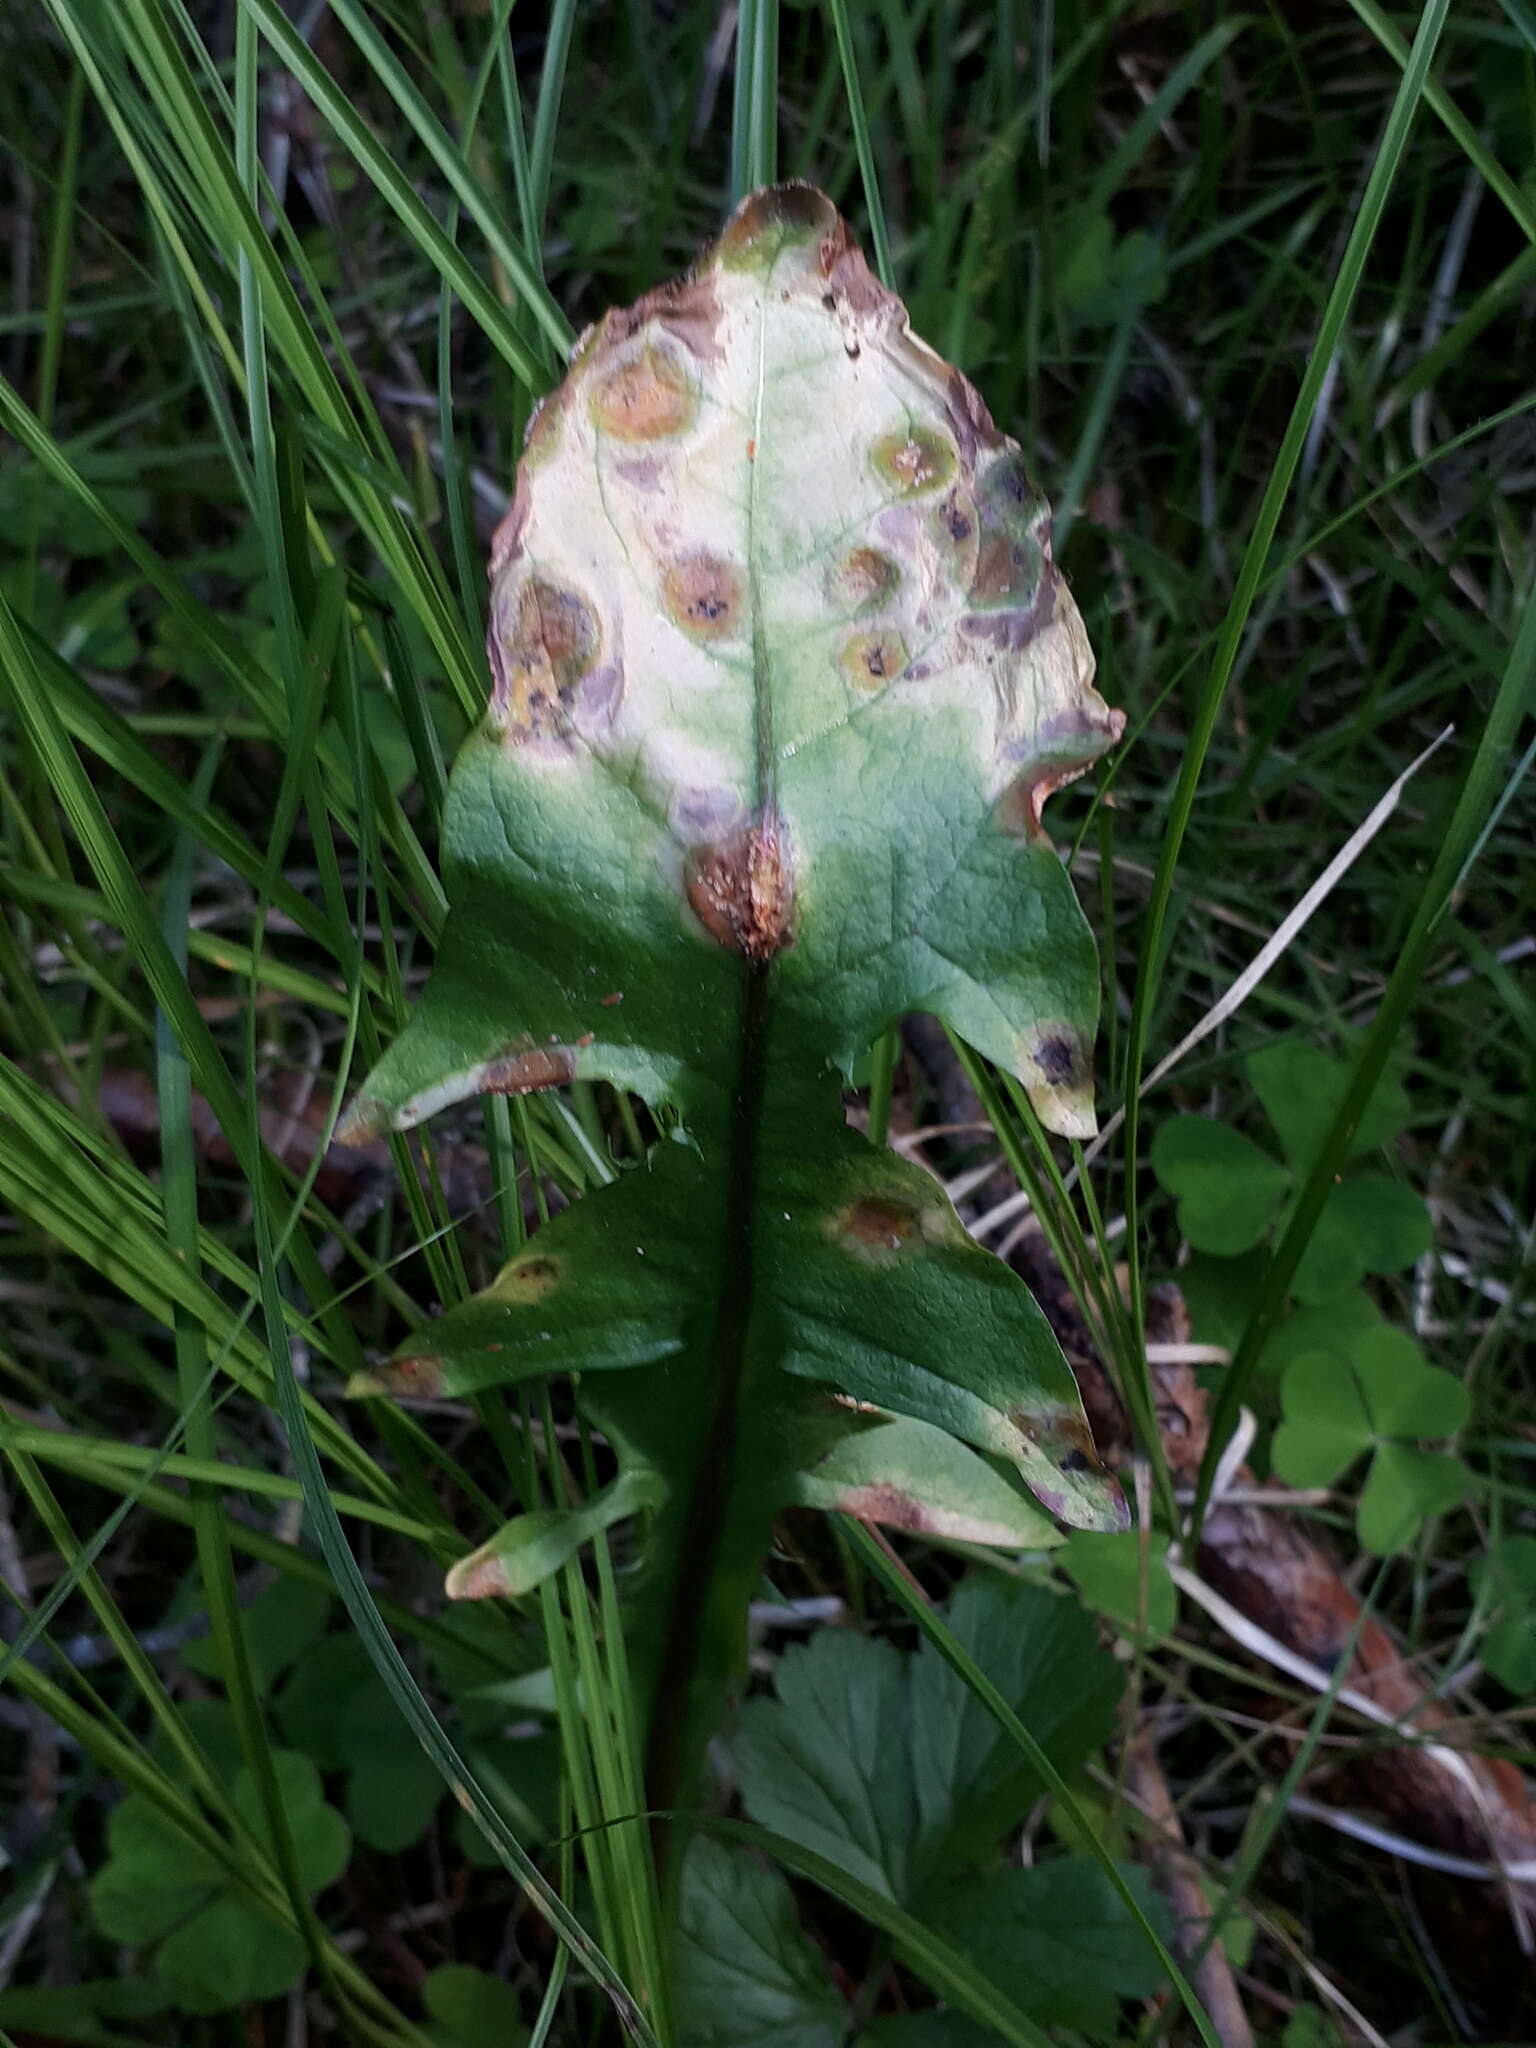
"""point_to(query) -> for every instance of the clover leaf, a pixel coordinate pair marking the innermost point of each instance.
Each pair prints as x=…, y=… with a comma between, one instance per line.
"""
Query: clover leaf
x=1382, y=1402
x=217, y=1948
x=1229, y=1191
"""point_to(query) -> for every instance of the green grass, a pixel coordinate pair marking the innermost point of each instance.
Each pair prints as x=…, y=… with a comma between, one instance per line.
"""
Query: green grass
x=280, y=309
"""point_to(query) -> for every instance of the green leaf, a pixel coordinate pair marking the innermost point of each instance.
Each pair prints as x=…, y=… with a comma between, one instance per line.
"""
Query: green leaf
x=1043, y=1654
x=472, y=2010
x=1369, y=1225
x=229, y=1955
x=1125, y=1579
x=1506, y=1578
x=1403, y=1395
x=1228, y=1190
x=280, y=1624
x=1326, y=1426
x=1301, y=1088
x=1402, y=1488
x=321, y=1840
x=827, y=1761
x=390, y=1803
x=1336, y=1408
x=763, y=770
x=153, y=1877
x=1057, y=1938
x=747, y=1975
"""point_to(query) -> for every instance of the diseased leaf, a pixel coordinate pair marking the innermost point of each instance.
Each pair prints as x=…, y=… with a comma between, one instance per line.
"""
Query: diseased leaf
x=783, y=676
x=747, y=1975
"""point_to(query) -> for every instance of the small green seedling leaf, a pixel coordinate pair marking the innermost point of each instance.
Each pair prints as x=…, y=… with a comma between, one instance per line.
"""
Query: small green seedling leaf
x=1229, y=1191
x=1506, y=1579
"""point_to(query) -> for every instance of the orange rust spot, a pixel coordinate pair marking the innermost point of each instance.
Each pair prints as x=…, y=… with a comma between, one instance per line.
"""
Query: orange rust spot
x=521, y=1073
x=647, y=397
x=741, y=889
x=587, y=1038
x=703, y=593
x=913, y=460
x=864, y=579
x=751, y=451
x=871, y=660
x=607, y=1002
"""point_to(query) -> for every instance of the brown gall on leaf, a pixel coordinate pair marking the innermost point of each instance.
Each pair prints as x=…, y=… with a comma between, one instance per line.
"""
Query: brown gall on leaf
x=742, y=890
x=419, y=1378
x=884, y=1228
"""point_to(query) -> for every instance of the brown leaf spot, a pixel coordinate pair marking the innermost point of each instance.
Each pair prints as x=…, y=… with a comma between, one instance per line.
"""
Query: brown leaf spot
x=879, y=1227
x=864, y=579
x=741, y=889
x=529, y=1279
x=1057, y=1059
x=646, y=396
x=887, y=1504
x=1008, y=571
x=913, y=459
x=480, y=1576
x=871, y=660
x=523, y=1072
x=553, y=641
x=704, y=595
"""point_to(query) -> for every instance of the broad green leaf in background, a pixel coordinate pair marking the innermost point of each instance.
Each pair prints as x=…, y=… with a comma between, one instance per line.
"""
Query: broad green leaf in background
x=1506, y=1580
x=1057, y=1938
x=747, y=1974
x=882, y=1761
x=1124, y=1576
x=1384, y=1399
x=783, y=676
x=471, y=2009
